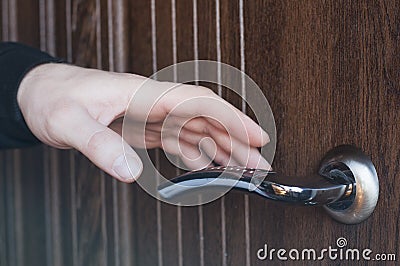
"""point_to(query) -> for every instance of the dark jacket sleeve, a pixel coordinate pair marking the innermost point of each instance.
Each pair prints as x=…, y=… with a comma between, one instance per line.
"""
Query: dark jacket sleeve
x=16, y=60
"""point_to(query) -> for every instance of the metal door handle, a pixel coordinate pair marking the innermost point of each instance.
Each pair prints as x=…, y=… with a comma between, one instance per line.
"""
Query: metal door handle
x=347, y=184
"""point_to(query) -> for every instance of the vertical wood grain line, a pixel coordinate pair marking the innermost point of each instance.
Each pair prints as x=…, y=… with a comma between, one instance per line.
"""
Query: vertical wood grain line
x=174, y=47
x=110, y=35
x=195, y=42
x=104, y=216
x=98, y=36
x=10, y=216
x=10, y=245
x=46, y=165
x=50, y=27
x=53, y=159
x=56, y=235
x=122, y=224
x=68, y=29
x=72, y=163
x=180, y=247
x=120, y=53
x=157, y=152
x=247, y=228
x=12, y=20
x=115, y=222
x=102, y=174
x=201, y=232
x=16, y=159
x=242, y=55
x=223, y=232
x=218, y=40
x=175, y=59
x=74, y=218
x=5, y=20
x=47, y=207
x=42, y=24
x=243, y=92
x=196, y=75
x=19, y=217
x=46, y=157
x=159, y=218
x=154, y=37
x=114, y=181
x=124, y=211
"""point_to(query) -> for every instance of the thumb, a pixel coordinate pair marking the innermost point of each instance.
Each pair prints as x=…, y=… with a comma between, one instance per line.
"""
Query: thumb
x=104, y=147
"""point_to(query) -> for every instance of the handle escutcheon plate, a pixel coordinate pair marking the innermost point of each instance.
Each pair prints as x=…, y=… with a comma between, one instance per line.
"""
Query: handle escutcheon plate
x=357, y=167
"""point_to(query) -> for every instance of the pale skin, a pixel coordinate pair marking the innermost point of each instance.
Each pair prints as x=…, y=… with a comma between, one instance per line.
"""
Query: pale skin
x=72, y=107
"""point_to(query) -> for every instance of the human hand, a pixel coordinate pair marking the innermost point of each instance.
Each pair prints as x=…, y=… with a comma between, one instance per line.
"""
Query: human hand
x=72, y=107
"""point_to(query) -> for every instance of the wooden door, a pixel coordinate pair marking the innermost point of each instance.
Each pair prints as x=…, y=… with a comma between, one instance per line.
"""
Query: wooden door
x=331, y=73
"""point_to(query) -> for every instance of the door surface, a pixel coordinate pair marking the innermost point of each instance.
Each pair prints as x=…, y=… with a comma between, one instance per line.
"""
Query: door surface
x=331, y=73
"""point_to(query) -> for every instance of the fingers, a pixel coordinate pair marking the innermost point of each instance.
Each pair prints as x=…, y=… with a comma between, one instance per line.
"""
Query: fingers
x=218, y=154
x=240, y=153
x=190, y=154
x=191, y=102
x=104, y=147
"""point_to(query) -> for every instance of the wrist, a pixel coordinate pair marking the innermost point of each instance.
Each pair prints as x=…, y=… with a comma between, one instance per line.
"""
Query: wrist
x=32, y=79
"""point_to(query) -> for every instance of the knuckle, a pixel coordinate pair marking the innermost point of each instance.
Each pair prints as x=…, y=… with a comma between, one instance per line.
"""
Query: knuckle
x=58, y=115
x=206, y=91
x=97, y=140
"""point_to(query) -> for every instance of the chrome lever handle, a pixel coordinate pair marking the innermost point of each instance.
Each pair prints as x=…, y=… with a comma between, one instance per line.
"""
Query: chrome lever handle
x=347, y=185
x=314, y=190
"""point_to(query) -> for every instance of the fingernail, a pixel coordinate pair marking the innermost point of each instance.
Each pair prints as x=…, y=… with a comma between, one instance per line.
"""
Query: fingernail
x=264, y=164
x=266, y=137
x=128, y=168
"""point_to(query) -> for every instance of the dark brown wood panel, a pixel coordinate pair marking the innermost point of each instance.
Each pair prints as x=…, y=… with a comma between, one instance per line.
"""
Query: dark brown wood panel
x=143, y=207
x=90, y=241
x=212, y=222
x=27, y=21
x=263, y=64
x=58, y=32
x=169, y=213
x=234, y=206
x=83, y=26
x=330, y=70
x=189, y=222
x=324, y=77
x=30, y=208
x=9, y=223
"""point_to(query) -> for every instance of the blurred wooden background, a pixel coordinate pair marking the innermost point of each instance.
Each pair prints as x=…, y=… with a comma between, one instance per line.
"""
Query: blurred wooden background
x=330, y=70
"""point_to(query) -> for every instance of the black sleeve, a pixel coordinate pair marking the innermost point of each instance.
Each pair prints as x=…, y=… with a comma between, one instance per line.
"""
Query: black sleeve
x=16, y=60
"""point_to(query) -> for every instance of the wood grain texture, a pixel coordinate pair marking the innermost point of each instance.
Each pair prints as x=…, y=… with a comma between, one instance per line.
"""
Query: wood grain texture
x=91, y=242
x=212, y=224
x=185, y=52
x=330, y=70
x=169, y=213
x=145, y=237
x=324, y=77
x=234, y=202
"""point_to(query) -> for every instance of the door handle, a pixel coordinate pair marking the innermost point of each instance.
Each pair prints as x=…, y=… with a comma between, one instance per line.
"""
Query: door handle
x=346, y=185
